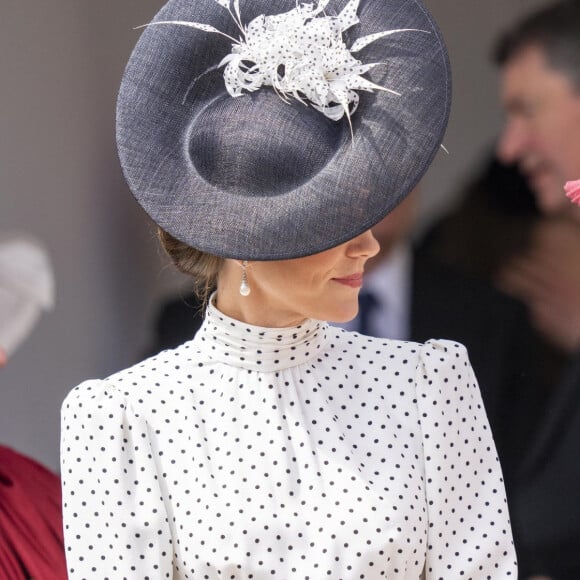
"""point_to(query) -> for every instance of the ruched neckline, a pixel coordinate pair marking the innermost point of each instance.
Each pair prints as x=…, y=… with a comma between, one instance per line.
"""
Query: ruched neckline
x=259, y=348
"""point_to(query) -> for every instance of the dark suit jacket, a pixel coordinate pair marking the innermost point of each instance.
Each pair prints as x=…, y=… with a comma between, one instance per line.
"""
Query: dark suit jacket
x=536, y=426
x=501, y=347
x=176, y=322
x=546, y=505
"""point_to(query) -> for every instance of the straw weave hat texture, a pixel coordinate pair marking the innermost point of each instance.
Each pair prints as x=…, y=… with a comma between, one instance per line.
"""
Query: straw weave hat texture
x=265, y=176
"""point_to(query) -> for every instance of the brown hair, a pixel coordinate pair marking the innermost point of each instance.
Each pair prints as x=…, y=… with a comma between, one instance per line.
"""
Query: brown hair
x=202, y=267
x=555, y=30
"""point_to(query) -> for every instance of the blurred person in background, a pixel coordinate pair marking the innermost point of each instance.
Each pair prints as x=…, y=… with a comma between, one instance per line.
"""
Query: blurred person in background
x=539, y=62
x=532, y=252
x=31, y=538
x=495, y=199
x=540, y=91
x=493, y=226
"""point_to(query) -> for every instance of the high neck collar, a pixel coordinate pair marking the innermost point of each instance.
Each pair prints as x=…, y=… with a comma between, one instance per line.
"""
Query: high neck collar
x=257, y=348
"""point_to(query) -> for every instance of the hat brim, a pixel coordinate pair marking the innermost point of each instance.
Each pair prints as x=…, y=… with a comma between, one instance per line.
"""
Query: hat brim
x=394, y=139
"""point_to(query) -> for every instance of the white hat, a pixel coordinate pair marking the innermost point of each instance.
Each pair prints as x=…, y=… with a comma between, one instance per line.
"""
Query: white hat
x=26, y=287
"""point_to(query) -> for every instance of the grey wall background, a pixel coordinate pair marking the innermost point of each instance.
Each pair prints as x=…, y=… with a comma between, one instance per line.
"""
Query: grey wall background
x=60, y=66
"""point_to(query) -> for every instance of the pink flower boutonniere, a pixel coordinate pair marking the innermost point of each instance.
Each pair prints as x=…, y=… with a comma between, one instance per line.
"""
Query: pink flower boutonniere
x=572, y=189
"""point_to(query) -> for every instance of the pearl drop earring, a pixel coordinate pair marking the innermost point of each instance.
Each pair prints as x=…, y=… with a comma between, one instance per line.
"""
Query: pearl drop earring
x=244, y=286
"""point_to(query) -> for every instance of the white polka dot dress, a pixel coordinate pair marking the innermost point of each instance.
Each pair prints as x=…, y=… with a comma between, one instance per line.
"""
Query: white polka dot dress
x=296, y=453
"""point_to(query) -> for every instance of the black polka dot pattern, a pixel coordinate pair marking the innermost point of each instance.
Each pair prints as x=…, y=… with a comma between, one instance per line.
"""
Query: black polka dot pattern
x=302, y=54
x=301, y=453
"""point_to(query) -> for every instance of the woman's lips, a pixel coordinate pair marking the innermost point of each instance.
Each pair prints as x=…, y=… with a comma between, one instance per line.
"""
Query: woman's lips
x=354, y=280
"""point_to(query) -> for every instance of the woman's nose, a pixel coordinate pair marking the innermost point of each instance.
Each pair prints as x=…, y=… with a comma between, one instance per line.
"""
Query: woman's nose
x=365, y=245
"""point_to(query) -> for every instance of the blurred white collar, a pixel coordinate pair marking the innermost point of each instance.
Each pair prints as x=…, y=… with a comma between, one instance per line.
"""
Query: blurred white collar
x=390, y=281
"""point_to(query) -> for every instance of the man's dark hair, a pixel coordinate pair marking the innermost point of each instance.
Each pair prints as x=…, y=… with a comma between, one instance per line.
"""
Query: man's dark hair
x=554, y=29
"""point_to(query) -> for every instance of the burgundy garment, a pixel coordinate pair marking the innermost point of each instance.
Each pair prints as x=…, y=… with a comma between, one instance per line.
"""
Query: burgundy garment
x=31, y=539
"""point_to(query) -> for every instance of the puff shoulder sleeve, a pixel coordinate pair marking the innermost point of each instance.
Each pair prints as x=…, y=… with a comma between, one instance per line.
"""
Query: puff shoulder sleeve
x=469, y=532
x=115, y=524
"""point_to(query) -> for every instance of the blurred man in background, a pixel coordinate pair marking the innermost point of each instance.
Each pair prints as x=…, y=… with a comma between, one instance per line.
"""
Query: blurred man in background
x=539, y=64
x=540, y=91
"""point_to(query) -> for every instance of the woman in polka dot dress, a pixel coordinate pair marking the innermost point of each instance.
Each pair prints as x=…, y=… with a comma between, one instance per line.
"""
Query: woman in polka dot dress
x=273, y=445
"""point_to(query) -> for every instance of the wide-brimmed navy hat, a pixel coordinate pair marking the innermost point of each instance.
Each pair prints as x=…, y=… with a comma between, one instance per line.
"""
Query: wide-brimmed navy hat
x=262, y=130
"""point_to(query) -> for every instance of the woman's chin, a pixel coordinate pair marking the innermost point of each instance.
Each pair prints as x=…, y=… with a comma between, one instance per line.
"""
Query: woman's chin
x=342, y=315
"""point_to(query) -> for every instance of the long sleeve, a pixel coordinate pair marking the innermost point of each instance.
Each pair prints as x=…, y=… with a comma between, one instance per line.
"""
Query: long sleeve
x=469, y=533
x=115, y=522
